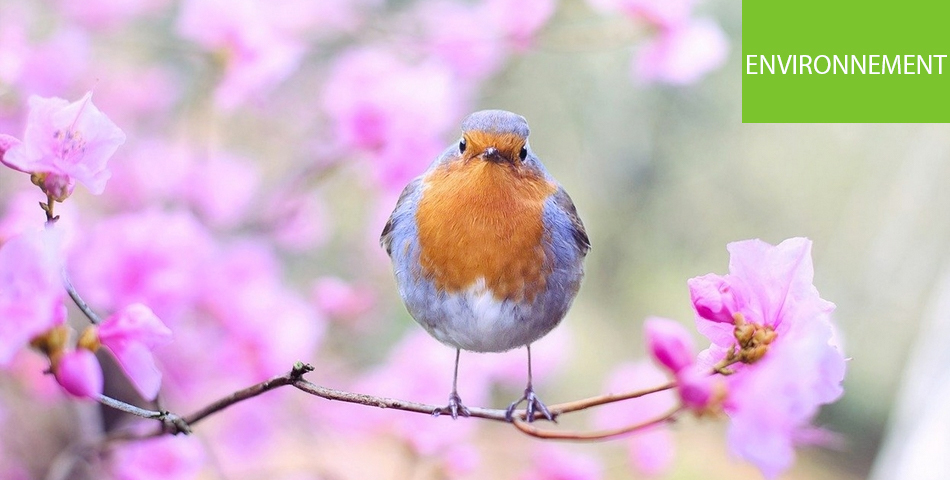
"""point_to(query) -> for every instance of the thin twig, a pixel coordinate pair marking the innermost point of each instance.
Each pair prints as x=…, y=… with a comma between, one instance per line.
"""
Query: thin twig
x=171, y=423
x=586, y=403
x=530, y=429
x=290, y=378
x=73, y=294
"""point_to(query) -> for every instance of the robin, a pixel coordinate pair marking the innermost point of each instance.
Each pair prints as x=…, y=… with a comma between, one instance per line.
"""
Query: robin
x=487, y=247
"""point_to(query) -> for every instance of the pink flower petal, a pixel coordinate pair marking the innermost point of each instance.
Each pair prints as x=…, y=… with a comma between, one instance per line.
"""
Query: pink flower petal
x=7, y=142
x=31, y=291
x=72, y=140
x=79, y=373
x=713, y=298
x=130, y=335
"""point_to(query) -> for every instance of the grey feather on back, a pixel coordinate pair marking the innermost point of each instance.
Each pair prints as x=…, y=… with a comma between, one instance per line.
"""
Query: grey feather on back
x=578, y=232
x=385, y=238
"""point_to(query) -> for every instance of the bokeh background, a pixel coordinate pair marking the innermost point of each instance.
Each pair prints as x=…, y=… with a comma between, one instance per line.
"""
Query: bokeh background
x=267, y=143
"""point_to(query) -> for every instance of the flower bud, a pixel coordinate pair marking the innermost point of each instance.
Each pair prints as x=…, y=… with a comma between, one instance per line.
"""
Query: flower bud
x=79, y=373
x=669, y=343
x=713, y=298
x=700, y=391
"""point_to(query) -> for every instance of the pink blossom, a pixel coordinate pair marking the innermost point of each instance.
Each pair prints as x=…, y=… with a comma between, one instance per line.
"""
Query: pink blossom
x=669, y=343
x=258, y=52
x=555, y=462
x=67, y=141
x=131, y=334
x=163, y=458
x=650, y=451
x=682, y=53
x=769, y=286
x=79, y=373
x=393, y=111
x=31, y=291
x=797, y=355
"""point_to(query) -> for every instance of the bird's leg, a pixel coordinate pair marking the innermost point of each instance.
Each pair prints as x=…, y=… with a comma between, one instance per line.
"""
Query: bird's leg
x=455, y=407
x=534, y=403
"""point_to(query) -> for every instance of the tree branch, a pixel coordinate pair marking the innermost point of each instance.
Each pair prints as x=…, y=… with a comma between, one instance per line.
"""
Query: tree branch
x=605, y=399
x=171, y=423
x=290, y=378
x=174, y=424
x=73, y=294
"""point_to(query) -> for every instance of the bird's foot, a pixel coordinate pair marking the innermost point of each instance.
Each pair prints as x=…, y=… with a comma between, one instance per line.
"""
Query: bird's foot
x=534, y=405
x=454, y=408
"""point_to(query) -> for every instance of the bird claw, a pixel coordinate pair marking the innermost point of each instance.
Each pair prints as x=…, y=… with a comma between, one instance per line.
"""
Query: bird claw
x=534, y=405
x=454, y=408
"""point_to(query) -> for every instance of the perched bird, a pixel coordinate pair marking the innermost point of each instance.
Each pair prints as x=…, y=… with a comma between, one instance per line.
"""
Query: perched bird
x=487, y=247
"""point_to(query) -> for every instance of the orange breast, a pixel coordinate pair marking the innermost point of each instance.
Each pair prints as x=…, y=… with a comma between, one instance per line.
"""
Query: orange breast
x=482, y=220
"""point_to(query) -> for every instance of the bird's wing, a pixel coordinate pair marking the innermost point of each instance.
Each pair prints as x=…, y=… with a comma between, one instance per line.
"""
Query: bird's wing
x=385, y=238
x=566, y=205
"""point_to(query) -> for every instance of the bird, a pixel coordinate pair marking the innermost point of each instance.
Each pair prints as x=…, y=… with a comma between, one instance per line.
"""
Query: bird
x=487, y=248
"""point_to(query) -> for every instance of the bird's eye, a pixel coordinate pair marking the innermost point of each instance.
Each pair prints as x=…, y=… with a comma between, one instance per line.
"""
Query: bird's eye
x=523, y=153
x=462, y=146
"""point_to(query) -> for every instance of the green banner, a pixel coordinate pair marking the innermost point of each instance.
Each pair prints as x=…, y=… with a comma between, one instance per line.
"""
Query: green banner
x=846, y=61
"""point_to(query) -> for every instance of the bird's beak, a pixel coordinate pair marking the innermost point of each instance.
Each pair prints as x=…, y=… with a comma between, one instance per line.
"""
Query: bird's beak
x=492, y=154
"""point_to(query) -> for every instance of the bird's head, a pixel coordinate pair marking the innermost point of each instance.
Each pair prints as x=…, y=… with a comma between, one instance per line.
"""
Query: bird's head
x=496, y=136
